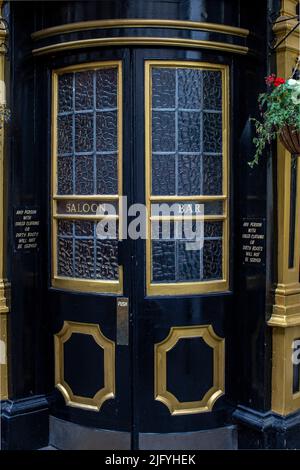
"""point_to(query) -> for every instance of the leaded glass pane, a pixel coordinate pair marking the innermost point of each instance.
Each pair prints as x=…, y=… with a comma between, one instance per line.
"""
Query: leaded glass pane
x=106, y=83
x=163, y=85
x=213, y=229
x=188, y=262
x=189, y=174
x=65, y=175
x=212, y=90
x=212, y=132
x=64, y=134
x=163, y=174
x=107, y=174
x=106, y=130
x=163, y=131
x=189, y=88
x=65, y=92
x=212, y=259
x=107, y=260
x=212, y=175
x=84, y=132
x=84, y=258
x=84, y=228
x=163, y=261
x=189, y=131
x=213, y=208
x=84, y=170
x=65, y=257
x=84, y=90
x=65, y=227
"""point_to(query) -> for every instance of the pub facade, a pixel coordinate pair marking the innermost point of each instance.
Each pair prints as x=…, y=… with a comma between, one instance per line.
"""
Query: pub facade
x=120, y=117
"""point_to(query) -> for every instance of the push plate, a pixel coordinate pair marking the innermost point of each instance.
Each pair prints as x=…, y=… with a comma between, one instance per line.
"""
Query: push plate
x=122, y=321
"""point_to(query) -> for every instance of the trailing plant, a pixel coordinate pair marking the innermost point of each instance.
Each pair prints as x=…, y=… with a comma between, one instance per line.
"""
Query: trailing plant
x=4, y=114
x=279, y=107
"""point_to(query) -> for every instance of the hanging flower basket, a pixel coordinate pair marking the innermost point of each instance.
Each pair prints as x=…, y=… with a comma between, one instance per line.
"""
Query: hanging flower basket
x=290, y=139
x=279, y=116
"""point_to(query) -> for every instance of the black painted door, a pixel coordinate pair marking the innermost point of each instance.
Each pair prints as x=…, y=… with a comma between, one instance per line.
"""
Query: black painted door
x=90, y=267
x=182, y=145
x=152, y=125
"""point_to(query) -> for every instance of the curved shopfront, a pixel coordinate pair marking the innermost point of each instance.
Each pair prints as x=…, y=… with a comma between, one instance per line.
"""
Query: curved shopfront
x=145, y=342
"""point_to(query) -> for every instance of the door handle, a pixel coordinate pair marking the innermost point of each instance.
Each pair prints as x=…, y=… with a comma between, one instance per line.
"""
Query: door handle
x=122, y=321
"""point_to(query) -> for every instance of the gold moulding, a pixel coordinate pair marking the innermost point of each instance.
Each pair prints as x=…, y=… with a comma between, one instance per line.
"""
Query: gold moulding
x=140, y=41
x=217, y=344
x=108, y=346
x=139, y=23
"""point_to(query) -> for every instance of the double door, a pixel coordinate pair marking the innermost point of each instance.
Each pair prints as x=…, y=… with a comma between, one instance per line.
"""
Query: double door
x=139, y=241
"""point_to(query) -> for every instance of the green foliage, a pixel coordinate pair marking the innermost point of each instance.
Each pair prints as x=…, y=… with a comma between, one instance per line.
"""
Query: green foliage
x=278, y=109
x=4, y=115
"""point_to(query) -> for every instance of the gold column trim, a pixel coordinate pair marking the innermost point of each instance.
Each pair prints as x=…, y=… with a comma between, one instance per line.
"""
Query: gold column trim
x=140, y=41
x=284, y=401
x=108, y=346
x=281, y=30
x=288, y=7
x=285, y=318
x=286, y=309
x=4, y=285
x=138, y=23
x=206, y=332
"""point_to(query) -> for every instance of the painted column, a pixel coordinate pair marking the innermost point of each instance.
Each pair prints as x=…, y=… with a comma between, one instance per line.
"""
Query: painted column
x=4, y=286
x=285, y=318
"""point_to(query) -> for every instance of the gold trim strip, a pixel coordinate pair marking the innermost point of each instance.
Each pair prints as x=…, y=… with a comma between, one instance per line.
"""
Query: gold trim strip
x=187, y=217
x=188, y=198
x=85, y=217
x=216, y=343
x=187, y=288
x=88, y=285
x=96, y=197
x=284, y=321
x=140, y=41
x=139, y=23
x=108, y=391
x=84, y=285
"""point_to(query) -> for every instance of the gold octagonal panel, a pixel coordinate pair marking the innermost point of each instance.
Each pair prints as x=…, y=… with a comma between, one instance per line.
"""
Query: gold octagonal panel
x=108, y=346
x=206, y=332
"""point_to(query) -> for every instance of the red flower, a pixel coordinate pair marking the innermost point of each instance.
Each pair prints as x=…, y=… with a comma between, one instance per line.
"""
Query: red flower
x=278, y=81
x=270, y=79
x=273, y=80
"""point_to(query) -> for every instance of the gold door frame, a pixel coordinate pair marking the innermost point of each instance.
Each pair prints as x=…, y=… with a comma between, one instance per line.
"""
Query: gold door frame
x=197, y=287
x=84, y=285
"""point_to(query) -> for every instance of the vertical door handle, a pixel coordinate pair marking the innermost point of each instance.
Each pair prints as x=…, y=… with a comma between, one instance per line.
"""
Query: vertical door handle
x=122, y=320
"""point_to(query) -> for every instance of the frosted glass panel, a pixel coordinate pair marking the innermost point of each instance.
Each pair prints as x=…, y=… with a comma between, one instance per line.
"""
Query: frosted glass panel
x=87, y=164
x=187, y=143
